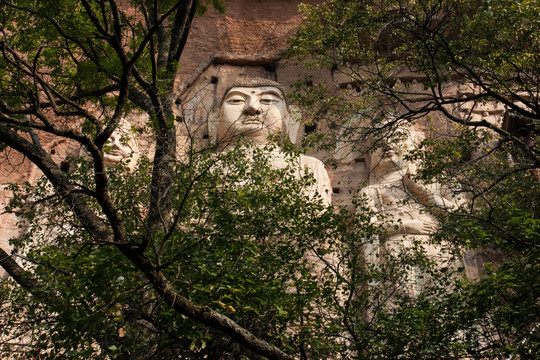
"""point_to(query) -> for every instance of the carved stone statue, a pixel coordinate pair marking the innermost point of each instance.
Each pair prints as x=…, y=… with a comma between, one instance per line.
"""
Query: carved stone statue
x=257, y=109
x=122, y=145
x=400, y=203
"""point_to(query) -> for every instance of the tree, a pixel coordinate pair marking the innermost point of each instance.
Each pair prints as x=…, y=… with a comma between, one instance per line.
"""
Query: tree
x=176, y=258
x=434, y=63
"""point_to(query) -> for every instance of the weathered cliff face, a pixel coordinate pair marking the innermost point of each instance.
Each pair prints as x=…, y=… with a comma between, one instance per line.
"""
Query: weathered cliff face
x=251, y=32
x=247, y=27
x=247, y=40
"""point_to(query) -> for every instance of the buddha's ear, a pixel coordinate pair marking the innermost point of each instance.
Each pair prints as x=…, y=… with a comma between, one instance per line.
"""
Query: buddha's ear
x=213, y=121
x=291, y=123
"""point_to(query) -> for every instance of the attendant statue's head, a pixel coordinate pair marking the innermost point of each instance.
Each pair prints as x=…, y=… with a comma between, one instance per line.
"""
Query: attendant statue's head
x=122, y=145
x=252, y=107
x=389, y=162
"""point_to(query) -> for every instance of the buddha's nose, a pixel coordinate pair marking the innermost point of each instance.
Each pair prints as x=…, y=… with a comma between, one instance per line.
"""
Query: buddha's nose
x=114, y=141
x=252, y=110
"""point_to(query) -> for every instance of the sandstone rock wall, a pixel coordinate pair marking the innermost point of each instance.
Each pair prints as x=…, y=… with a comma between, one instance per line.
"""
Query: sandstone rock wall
x=248, y=27
x=250, y=36
x=245, y=41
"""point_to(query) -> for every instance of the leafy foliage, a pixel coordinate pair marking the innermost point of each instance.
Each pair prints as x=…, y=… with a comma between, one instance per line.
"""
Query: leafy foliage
x=245, y=243
x=191, y=255
x=218, y=255
x=443, y=65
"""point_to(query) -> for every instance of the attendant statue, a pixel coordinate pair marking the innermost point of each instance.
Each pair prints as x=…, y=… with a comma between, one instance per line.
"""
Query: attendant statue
x=122, y=145
x=256, y=108
x=400, y=205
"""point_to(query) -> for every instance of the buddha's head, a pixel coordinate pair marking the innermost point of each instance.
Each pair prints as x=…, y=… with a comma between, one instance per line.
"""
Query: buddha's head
x=252, y=107
x=121, y=145
x=390, y=159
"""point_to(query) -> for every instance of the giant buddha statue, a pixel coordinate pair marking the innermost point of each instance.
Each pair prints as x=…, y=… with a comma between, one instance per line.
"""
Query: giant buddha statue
x=257, y=110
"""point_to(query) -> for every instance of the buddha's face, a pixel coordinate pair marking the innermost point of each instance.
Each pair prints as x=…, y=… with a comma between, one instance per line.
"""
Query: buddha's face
x=121, y=145
x=391, y=157
x=254, y=112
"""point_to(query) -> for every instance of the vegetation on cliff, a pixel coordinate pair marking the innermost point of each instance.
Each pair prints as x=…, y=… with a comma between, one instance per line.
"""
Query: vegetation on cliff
x=467, y=73
x=198, y=254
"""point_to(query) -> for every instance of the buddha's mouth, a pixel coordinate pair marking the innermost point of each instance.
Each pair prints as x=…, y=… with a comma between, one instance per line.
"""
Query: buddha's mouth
x=115, y=153
x=252, y=120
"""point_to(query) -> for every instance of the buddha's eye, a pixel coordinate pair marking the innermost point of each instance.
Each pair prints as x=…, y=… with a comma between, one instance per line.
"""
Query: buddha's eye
x=269, y=100
x=236, y=100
